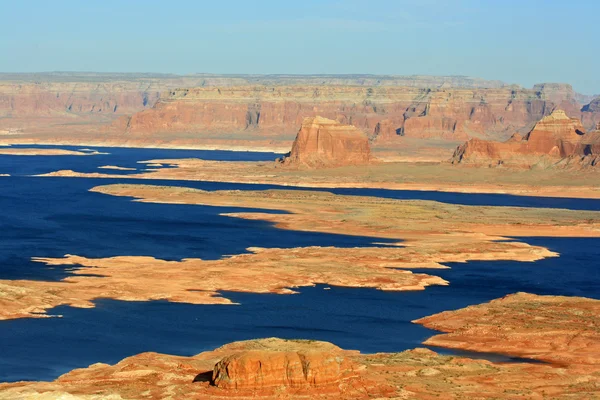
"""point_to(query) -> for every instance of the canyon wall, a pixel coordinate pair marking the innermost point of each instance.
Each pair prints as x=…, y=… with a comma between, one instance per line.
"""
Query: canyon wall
x=382, y=112
x=137, y=108
x=60, y=94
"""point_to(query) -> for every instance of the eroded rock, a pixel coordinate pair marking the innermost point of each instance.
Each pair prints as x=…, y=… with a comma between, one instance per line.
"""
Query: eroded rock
x=322, y=142
x=262, y=370
x=556, y=139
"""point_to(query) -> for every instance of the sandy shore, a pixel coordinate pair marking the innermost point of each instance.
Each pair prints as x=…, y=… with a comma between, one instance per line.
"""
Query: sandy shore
x=393, y=176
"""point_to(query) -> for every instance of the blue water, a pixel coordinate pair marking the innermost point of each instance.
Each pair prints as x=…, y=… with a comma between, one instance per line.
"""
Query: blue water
x=119, y=156
x=50, y=217
x=130, y=157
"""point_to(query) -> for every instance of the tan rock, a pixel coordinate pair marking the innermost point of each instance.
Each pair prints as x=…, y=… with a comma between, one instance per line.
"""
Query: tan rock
x=322, y=142
x=554, y=138
x=260, y=370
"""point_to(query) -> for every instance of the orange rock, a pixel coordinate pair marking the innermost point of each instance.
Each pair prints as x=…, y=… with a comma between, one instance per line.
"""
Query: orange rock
x=556, y=329
x=555, y=134
x=322, y=142
x=262, y=370
x=555, y=137
x=412, y=374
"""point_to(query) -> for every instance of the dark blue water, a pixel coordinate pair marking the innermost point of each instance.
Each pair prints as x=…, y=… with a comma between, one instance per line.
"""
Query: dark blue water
x=364, y=319
x=119, y=156
x=130, y=157
x=50, y=217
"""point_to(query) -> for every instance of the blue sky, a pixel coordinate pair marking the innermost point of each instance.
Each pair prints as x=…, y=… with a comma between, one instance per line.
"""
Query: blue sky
x=524, y=42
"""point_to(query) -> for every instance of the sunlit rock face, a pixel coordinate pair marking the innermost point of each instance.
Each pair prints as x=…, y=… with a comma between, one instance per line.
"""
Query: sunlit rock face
x=322, y=142
x=556, y=139
x=260, y=370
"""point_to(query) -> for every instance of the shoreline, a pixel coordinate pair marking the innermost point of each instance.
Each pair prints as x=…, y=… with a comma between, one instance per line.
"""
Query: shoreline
x=563, y=192
x=91, y=143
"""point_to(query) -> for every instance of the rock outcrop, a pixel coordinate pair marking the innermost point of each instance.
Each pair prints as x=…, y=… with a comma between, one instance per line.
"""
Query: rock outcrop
x=556, y=134
x=555, y=139
x=271, y=369
x=322, y=142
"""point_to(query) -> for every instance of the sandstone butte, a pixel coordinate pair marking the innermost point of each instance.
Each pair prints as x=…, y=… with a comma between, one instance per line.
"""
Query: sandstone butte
x=563, y=331
x=555, y=140
x=322, y=142
x=406, y=235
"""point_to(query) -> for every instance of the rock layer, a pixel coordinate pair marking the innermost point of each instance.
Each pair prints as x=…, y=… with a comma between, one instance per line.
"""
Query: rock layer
x=384, y=112
x=266, y=110
x=554, y=138
x=322, y=142
x=261, y=370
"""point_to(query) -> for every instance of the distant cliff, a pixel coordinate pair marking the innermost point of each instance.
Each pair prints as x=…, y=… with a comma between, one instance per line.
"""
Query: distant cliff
x=270, y=107
x=382, y=112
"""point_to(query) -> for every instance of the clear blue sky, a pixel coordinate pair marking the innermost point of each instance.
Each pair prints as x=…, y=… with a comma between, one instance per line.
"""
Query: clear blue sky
x=517, y=41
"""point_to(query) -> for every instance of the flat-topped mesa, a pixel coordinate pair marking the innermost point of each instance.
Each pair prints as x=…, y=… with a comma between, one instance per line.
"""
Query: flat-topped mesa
x=555, y=137
x=264, y=370
x=323, y=142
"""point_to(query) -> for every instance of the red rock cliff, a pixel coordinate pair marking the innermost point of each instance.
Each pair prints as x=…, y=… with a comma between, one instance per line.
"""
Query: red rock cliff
x=384, y=112
x=322, y=142
x=555, y=137
x=260, y=370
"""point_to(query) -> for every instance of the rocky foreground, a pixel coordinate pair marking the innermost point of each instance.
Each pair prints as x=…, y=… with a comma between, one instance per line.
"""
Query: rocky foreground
x=301, y=369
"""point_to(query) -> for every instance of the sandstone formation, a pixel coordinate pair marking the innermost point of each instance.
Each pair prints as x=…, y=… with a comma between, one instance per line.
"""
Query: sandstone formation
x=554, y=138
x=60, y=94
x=307, y=369
x=384, y=112
x=250, y=111
x=296, y=369
x=322, y=142
x=556, y=329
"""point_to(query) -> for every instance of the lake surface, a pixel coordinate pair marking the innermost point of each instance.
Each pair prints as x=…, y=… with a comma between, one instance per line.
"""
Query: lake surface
x=50, y=217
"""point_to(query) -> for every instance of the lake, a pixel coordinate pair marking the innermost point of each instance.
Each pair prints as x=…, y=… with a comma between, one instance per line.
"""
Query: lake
x=50, y=217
